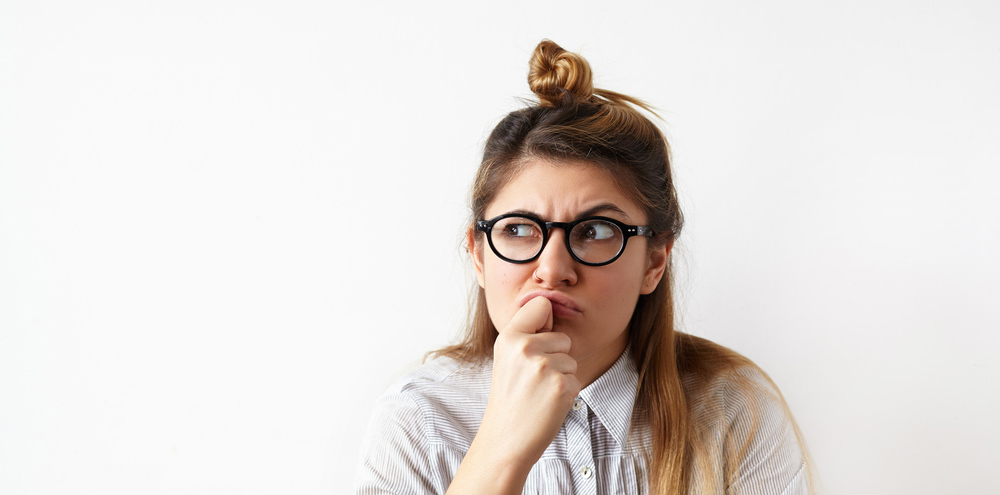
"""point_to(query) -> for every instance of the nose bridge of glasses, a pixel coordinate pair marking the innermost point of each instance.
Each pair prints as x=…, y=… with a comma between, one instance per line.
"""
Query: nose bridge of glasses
x=563, y=226
x=564, y=229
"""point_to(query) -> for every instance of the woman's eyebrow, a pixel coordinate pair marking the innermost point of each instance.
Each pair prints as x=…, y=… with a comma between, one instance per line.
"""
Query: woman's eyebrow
x=524, y=213
x=604, y=207
x=601, y=208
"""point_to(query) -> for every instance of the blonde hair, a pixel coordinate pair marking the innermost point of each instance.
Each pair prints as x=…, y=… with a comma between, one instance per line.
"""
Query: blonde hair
x=575, y=121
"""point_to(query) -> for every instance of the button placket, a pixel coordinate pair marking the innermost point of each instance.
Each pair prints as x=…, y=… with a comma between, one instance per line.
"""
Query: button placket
x=581, y=448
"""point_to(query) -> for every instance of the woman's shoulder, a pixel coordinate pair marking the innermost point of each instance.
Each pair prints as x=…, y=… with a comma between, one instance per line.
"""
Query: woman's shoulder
x=442, y=395
x=726, y=390
x=422, y=425
x=740, y=414
x=714, y=370
x=444, y=374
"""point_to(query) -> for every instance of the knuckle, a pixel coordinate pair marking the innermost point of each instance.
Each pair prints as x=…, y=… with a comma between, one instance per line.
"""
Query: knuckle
x=523, y=347
x=572, y=366
x=567, y=390
x=541, y=365
x=510, y=343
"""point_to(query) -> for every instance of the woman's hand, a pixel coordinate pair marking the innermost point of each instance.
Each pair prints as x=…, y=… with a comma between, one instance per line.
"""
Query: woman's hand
x=532, y=390
x=533, y=386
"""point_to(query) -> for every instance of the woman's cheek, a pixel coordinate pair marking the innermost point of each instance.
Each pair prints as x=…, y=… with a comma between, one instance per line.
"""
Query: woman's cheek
x=504, y=282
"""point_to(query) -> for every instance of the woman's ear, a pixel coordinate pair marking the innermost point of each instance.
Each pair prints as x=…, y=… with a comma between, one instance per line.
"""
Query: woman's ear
x=657, y=264
x=476, y=253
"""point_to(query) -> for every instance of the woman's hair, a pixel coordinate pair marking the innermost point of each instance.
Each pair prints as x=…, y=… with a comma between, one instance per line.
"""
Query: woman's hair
x=573, y=122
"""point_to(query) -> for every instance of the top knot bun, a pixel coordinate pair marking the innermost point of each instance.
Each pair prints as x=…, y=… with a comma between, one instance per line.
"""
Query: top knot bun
x=552, y=69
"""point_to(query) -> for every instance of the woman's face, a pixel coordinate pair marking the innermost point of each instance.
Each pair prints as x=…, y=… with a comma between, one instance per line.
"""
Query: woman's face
x=591, y=304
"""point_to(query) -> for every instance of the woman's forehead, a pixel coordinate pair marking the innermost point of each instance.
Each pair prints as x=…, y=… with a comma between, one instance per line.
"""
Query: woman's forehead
x=562, y=191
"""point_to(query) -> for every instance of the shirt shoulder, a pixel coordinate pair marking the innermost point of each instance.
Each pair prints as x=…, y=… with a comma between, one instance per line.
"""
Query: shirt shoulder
x=450, y=397
x=422, y=427
x=747, y=427
x=444, y=373
x=446, y=398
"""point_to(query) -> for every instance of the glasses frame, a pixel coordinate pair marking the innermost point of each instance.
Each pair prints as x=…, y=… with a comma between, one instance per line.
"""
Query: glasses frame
x=627, y=231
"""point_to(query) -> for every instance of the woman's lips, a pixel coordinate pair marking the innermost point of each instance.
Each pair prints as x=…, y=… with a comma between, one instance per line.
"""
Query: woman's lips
x=561, y=311
x=562, y=306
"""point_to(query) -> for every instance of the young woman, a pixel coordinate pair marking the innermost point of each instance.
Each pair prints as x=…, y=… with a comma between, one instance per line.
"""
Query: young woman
x=571, y=377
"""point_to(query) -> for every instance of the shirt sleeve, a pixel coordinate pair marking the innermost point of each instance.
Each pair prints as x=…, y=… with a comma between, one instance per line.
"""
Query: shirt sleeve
x=396, y=456
x=769, y=456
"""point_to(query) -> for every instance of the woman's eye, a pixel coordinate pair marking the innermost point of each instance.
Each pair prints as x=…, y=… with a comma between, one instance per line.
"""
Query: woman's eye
x=598, y=231
x=519, y=230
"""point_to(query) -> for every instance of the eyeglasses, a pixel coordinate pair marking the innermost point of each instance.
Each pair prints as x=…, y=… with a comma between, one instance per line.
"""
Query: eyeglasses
x=592, y=241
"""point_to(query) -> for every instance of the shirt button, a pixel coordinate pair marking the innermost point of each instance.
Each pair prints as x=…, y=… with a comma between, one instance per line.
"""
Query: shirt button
x=577, y=404
x=587, y=472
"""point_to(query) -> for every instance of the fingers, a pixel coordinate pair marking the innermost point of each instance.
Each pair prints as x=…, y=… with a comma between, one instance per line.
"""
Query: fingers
x=525, y=346
x=534, y=317
x=561, y=363
x=547, y=343
x=545, y=364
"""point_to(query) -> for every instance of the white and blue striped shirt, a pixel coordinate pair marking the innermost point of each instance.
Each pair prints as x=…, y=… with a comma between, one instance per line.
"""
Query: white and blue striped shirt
x=425, y=423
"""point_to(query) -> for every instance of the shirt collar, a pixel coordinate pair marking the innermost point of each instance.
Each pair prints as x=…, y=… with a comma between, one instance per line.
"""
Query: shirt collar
x=612, y=397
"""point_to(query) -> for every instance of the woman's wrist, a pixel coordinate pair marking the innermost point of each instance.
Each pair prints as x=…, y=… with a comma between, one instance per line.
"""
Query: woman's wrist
x=490, y=470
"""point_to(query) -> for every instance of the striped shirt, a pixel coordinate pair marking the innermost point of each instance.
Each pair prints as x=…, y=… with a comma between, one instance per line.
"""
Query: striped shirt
x=424, y=424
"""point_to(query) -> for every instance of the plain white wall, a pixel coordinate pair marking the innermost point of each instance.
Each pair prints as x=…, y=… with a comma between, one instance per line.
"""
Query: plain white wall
x=225, y=227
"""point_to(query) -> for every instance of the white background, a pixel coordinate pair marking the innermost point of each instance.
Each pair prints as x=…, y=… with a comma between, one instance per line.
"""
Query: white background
x=225, y=227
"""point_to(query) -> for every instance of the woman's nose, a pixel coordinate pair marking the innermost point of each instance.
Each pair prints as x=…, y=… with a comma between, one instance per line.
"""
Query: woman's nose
x=556, y=267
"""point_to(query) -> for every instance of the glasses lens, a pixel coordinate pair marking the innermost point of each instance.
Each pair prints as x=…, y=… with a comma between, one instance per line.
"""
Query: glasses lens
x=517, y=238
x=596, y=241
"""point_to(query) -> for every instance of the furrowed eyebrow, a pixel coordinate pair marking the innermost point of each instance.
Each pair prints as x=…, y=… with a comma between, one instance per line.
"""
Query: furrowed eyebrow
x=524, y=213
x=589, y=212
x=604, y=207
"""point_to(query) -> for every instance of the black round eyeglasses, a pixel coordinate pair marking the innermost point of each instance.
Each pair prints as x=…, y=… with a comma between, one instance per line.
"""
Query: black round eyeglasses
x=592, y=241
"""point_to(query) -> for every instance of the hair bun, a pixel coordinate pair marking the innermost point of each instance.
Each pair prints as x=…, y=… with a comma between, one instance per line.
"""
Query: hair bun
x=551, y=69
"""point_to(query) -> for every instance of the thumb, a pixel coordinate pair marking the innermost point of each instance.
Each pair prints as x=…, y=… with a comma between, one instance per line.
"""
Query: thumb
x=535, y=316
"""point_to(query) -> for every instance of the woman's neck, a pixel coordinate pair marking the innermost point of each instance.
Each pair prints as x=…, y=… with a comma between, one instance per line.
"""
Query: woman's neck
x=591, y=367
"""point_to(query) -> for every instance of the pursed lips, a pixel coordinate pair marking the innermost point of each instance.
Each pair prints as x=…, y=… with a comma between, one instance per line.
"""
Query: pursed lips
x=562, y=305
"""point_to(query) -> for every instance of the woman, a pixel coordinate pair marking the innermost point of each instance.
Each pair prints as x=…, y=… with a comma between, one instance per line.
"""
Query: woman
x=571, y=377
